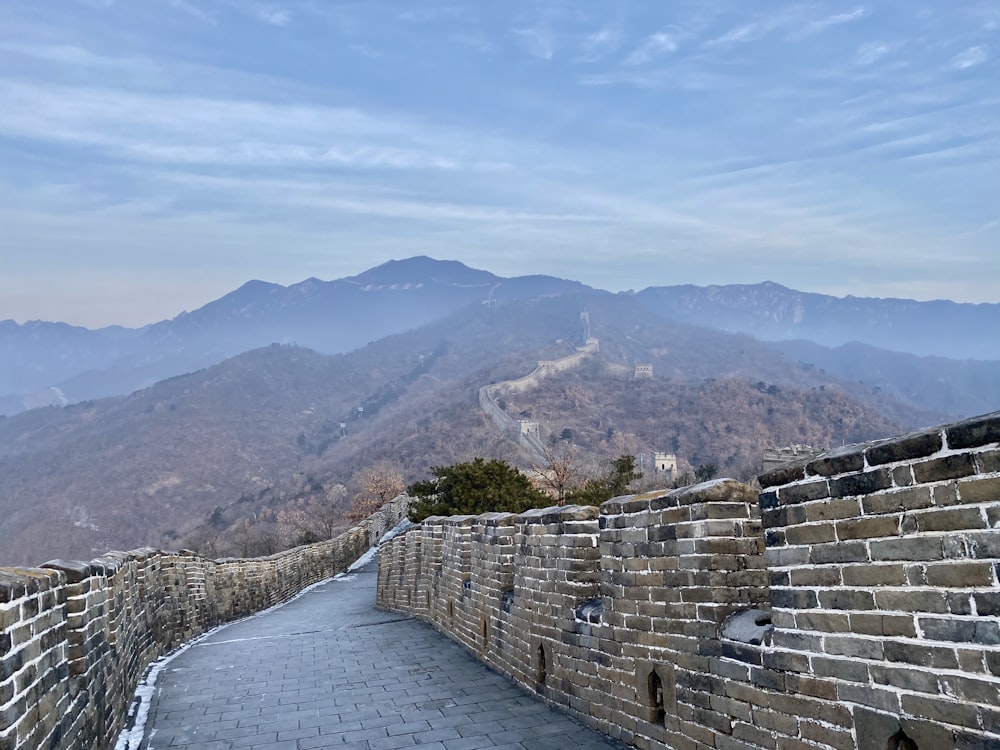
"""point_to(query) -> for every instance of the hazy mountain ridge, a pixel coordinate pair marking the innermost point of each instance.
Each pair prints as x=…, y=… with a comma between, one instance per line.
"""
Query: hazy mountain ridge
x=125, y=471
x=771, y=312
x=344, y=314
x=328, y=316
x=961, y=387
x=255, y=432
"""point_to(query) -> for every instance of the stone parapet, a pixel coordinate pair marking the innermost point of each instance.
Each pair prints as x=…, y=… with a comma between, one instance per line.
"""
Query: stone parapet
x=77, y=637
x=851, y=603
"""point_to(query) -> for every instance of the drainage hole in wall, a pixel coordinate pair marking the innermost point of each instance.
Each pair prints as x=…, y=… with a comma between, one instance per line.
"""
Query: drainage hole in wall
x=654, y=687
x=542, y=668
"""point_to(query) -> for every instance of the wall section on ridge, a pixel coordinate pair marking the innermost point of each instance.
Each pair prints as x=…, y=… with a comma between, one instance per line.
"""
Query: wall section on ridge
x=853, y=602
x=77, y=637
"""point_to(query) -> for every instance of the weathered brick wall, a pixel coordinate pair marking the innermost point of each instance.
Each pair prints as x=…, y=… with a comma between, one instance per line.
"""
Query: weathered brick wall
x=77, y=637
x=883, y=563
x=876, y=565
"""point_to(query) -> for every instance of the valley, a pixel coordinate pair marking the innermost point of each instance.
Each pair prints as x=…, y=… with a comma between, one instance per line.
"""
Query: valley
x=223, y=458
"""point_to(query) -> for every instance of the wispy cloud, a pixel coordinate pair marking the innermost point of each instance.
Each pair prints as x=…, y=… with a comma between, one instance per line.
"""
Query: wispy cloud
x=365, y=51
x=163, y=128
x=821, y=24
x=600, y=44
x=969, y=58
x=871, y=52
x=194, y=11
x=657, y=44
x=272, y=15
x=876, y=132
x=537, y=41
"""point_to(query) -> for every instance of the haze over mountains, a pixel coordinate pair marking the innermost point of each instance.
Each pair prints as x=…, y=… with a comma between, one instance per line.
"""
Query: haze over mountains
x=241, y=429
x=54, y=363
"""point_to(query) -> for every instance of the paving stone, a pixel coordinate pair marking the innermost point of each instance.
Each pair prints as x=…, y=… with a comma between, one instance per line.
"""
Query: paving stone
x=329, y=670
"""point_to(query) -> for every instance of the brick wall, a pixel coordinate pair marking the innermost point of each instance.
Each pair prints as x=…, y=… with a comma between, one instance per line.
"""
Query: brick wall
x=77, y=637
x=851, y=602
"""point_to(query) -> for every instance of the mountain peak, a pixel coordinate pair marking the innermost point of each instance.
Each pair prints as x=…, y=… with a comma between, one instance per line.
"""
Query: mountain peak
x=422, y=269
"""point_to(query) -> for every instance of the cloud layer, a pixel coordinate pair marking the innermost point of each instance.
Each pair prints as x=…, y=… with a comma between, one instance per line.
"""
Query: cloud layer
x=830, y=147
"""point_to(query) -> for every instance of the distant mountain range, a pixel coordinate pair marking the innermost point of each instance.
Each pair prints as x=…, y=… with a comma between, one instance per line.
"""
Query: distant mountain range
x=50, y=363
x=856, y=338
x=211, y=455
x=771, y=312
x=203, y=426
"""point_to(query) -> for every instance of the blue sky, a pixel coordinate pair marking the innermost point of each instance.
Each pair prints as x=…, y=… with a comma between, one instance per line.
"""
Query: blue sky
x=155, y=154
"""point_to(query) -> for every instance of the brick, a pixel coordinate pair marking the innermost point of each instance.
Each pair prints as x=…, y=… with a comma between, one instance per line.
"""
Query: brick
x=902, y=476
x=905, y=678
x=852, y=599
x=983, y=490
x=948, y=712
x=921, y=654
x=906, y=448
x=989, y=462
x=838, y=552
x=833, y=510
x=867, y=528
x=971, y=689
x=914, y=548
x=876, y=623
x=975, y=432
x=960, y=631
x=895, y=501
x=946, y=519
x=987, y=605
x=851, y=670
x=984, y=545
x=793, y=599
x=786, y=515
x=804, y=492
x=815, y=576
x=917, y=600
x=836, y=462
x=784, y=474
x=859, y=648
x=946, y=467
x=960, y=574
x=810, y=533
x=828, y=622
x=840, y=740
x=860, y=484
x=873, y=575
x=796, y=641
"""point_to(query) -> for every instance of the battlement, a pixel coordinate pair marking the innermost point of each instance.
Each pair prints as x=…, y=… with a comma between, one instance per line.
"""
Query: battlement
x=77, y=637
x=853, y=601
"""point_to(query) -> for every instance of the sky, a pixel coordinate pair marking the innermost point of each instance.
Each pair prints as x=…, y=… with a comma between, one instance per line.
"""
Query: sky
x=156, y=154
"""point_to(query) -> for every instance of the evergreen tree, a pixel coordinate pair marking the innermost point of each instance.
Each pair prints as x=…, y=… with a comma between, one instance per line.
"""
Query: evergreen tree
x=611, y=484
x=472, y=488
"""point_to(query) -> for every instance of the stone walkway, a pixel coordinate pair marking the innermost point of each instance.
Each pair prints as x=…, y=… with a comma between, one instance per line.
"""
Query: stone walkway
x=328, y=670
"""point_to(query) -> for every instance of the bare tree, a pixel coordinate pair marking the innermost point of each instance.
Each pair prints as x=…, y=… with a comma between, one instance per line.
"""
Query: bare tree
x=377, y=485
x=559, y=473
x=318, y=517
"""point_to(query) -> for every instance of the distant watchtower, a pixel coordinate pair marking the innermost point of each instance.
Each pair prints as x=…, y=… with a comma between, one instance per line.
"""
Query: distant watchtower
x=665, y=466
x=528, y=428
x=643, y=371
x=774, y=457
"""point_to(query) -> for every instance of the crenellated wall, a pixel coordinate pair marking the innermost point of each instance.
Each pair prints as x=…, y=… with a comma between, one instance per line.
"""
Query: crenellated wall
x=77, y=637
x=852, y=602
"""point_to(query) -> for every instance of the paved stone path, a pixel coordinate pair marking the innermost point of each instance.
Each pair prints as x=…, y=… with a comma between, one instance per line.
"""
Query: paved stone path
x=328, y=670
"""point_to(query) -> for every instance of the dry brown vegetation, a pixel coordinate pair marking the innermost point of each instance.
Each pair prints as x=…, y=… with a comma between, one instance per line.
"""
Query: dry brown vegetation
x=271, y=447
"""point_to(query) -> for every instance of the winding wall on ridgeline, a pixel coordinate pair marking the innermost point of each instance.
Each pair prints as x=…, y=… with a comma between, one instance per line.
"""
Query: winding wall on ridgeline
x=508, y=425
